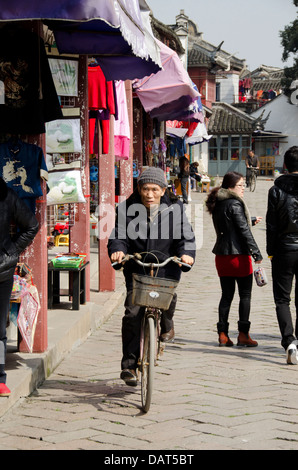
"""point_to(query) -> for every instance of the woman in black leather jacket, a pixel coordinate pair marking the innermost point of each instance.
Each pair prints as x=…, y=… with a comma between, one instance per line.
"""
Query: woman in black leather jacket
x=234, y=248
x=12, y=210
x=282, y=246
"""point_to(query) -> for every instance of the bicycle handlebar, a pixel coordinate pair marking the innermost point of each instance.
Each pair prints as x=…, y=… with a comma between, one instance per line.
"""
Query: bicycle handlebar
x=151, y=265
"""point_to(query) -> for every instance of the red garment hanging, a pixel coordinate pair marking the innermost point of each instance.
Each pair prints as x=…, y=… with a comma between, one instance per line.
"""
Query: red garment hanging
x=97, y=93
x=100, y=97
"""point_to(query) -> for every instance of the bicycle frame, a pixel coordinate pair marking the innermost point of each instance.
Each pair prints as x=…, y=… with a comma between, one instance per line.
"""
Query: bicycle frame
x=156, y=314
x=150, y=345
x=252, y=178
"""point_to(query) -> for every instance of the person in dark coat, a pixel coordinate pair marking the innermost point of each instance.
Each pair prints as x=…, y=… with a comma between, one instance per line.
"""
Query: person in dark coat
x=193, y=171
x=282, y=247
x=234, y=248
x=12, y=210
x=152, y=222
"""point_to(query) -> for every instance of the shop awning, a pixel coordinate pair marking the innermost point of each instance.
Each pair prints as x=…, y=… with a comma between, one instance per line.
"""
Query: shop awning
x=176, y=131
x=167, y=91
x=174, y=111
x=199, y=135
x=117, y=32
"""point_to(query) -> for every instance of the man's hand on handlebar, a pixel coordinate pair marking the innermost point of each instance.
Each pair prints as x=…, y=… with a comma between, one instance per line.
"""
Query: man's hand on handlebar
x=187, y=260
x=117, y=257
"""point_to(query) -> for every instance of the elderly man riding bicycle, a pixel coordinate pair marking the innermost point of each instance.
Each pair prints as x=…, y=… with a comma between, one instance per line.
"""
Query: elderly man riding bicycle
x=152, y=222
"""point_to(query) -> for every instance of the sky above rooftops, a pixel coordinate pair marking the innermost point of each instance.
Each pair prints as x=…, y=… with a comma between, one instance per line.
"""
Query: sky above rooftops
x=249, y=29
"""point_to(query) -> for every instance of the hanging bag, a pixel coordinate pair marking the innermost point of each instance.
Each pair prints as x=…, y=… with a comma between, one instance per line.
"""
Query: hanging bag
x=260, y=276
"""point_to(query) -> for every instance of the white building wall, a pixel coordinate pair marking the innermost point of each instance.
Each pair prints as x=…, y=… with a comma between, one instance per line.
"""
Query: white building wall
x=200, y=154
x=283, y=118
x=229, y=88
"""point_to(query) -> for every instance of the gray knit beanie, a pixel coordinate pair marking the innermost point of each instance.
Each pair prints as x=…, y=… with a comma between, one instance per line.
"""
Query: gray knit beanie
x=153, y=175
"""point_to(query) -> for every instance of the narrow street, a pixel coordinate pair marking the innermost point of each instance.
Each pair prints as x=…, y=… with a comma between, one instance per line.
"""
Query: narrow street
x=205, y=397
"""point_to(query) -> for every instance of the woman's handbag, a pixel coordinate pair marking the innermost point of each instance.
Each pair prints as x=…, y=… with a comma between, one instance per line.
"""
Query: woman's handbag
x=260, y=276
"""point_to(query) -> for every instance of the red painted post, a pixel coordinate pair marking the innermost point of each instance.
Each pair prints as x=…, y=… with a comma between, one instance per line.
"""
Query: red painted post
x=36, y=256
x=106, y=167
x=80, y=232
x=126, y=177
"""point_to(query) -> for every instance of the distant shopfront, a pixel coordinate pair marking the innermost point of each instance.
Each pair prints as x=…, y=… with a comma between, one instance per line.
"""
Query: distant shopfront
x=228, y=153
x=232, y=133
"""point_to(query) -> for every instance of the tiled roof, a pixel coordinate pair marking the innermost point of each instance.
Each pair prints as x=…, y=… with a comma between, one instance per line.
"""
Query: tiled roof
x=202, y=52
x=226, y=119
x=161, y=31
x=266, y=85
x=265, y=78
x=198, y=57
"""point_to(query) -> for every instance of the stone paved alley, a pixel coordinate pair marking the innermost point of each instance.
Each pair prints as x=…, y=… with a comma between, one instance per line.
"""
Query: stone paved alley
x=205, y=397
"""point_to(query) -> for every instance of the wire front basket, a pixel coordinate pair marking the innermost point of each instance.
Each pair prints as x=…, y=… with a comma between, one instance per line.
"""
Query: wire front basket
x=155, y=292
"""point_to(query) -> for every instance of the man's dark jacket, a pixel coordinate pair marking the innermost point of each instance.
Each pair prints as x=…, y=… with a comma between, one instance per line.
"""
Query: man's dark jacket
x=168, y=234
x=13, y=211
x=282, y=215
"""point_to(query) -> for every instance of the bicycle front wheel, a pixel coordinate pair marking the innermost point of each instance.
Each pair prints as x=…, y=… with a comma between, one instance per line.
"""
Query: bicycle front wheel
x=147, y=363
x=253, y=182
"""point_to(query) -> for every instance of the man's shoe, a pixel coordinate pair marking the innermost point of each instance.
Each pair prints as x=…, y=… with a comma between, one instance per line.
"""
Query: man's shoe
x=4, y=391
x=292, y=354
x=130, y=377
x=166, y=337
x=224, y=340
x=245, y=340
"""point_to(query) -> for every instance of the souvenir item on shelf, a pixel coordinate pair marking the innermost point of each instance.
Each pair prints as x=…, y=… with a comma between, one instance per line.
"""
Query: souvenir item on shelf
x=65, y=187
x=69, y=260
x=63, y=136
x=27, y=317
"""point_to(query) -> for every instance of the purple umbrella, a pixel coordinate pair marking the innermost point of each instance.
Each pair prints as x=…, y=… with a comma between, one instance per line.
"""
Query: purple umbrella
x=117, y=33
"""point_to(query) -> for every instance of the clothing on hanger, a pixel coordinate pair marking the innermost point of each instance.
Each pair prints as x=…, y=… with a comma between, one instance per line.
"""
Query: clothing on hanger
x=30, y=98
x=21, y=166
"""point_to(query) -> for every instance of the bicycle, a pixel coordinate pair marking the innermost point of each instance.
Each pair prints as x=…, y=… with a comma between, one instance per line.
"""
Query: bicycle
x=252, y=180
x=155, y=294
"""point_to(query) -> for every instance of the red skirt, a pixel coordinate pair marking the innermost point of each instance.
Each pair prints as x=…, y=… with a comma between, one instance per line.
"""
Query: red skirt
x=233, y=265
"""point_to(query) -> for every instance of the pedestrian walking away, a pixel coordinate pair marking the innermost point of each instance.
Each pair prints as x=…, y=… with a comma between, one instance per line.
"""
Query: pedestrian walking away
x=152, y=222
x=184, y=177
x=282, y=248
x=12, y=209
x=234, y=248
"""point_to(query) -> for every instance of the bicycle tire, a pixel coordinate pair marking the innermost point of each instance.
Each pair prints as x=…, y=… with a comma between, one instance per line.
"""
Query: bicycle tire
x=253, y=182
x=147, y=363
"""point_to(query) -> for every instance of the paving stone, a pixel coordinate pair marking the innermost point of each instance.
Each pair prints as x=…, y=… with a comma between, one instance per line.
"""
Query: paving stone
x=204, y=398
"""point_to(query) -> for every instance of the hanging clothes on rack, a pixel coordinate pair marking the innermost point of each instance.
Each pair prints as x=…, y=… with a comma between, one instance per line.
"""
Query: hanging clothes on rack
x=30, y=98
x=101, y=103
x=21, y=166
x=121, y=126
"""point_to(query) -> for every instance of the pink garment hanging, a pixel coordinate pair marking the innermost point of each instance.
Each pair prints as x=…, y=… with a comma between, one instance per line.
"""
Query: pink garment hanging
x=121, y=126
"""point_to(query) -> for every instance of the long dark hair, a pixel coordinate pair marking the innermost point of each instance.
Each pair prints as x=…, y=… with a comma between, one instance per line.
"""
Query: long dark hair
x=183, y=164
x=229, y=181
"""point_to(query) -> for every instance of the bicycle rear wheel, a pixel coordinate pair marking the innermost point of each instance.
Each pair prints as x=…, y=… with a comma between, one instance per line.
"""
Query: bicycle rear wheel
x=147, y=363
x=253, y=182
